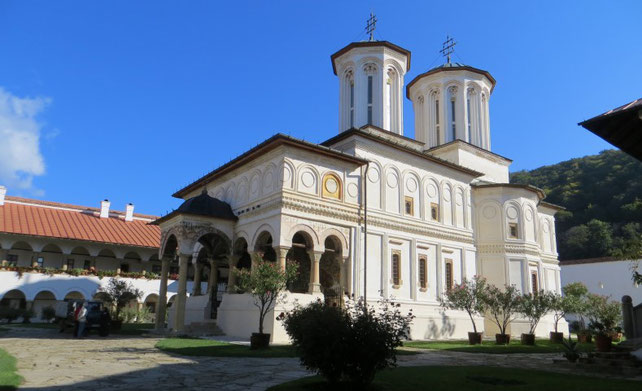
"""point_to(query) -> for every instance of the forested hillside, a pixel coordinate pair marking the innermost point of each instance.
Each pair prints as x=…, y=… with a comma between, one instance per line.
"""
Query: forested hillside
x=602, y=195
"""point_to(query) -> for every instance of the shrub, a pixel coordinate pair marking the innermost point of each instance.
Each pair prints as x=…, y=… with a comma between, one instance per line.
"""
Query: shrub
x=467, y=296
x=48, y=313
x=347, y=344
x=135, y=315
x=9, y=314
x=534, y=307
x=27, y=315
x=604, y=315
x=503, y=305
x=120, y=293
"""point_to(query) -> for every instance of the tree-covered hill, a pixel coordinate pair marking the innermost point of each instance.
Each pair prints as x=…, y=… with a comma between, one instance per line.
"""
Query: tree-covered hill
x=602, y=195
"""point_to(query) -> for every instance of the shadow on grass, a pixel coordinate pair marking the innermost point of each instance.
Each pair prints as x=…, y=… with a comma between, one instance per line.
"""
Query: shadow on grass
x=443, y=378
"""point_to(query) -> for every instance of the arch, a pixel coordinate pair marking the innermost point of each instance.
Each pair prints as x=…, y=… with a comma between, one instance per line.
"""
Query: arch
x=132, y=255
x=171, y=300
x=150, y=302
x=256, y=185
x=14, y=294
x=240, y=250
x=52, y=248
x=44, y=295
x=243, y=190
x=332, y=186
x=302, y=244
x=264, y=228
x=337, y=235
x=101, y=296
x=306, y=185
x=14, y=298
x=269, y=178
x=21, y=245
x=308, y=232
x=74, y=294
x=288, y=174
x=392, y=193
x=394, y=64
x=42, y=300
x=263, y=245
x=79, y=250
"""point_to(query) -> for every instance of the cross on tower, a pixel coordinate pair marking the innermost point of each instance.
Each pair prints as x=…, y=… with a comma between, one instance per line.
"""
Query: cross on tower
x=370, y=27
x=447, y=48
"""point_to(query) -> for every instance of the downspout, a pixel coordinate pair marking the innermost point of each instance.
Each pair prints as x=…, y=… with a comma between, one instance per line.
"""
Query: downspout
x=365, y=233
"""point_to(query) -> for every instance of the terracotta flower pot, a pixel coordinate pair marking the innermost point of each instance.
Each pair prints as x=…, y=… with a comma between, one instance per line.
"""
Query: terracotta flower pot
x=502, y=339
x=603, y=343
x=528, y=339
x=474, y=338
x=584, y=338
x=259, y=341
x=556, y=337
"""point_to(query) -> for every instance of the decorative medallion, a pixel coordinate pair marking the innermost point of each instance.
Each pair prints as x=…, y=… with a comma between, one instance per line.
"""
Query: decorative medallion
x=459, y=199
x=431, y=189
x=511, y=212
x=446, y=194
x=373, y=174
x=308, y=179
x=392, y=180
x=489, y=212
x=529, y=215
x=331, y=185
x=411, y=184
x=287, y=174
x=353, y=190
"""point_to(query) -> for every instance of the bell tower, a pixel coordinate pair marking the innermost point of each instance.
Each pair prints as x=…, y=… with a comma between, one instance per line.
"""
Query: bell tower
x=371, y=79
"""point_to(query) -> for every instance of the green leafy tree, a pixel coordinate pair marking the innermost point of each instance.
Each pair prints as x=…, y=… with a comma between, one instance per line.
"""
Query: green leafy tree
x=560, y=306
x=265, y=282
x=502, y=304
x=576, y=300
x=534, y=307
x=120, y=293
x=467, y=296
x=604, y=314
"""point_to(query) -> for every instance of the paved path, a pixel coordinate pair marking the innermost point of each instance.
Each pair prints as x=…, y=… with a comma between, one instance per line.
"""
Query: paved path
x=52, y=361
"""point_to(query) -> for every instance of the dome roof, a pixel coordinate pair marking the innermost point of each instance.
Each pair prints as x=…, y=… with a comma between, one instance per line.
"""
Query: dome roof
x=205, y=205
x=451, y=67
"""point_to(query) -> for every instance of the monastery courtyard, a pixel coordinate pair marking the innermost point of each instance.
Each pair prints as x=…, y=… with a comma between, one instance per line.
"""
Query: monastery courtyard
x=51, y=361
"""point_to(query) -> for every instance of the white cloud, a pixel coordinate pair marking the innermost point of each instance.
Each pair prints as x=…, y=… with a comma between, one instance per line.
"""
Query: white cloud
x=20, y=156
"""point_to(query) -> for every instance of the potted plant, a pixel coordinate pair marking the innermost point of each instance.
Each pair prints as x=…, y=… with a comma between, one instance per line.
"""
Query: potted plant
x=502, y=305
x=468, y=296
x=119, y=293
x=559, y=307
x=571, y=352
x=533, y=307
x=576, y=302
x=604, y=316
x=265, y=282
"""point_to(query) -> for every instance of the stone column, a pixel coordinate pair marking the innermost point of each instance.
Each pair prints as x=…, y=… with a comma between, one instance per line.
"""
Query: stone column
x=315, y=258
x=282, y=253
x=231, y=278
x=198, y=270
x=183, y=262
x=161, y=306
x=213, y=278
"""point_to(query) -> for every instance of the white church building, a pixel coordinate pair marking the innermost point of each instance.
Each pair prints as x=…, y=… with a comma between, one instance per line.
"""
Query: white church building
x=368, y=212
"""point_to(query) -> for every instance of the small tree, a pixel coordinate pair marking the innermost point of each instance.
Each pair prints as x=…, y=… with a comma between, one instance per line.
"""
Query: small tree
x=576, y=300
x=265, y=282
x=503, y=305
x=120, y=293
x=604, y=315
x=534, y=307
x=560, y=306
x=467, y=296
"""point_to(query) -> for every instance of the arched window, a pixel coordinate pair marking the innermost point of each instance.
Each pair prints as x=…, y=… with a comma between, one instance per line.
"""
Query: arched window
x=449, y=274
x=396, y=269
x=452, y=91
x=331, y=186
x=423, y=273
x=534, y=282
x=370, y=70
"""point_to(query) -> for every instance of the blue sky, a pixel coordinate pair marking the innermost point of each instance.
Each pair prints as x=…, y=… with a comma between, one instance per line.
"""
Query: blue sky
x=132, y=100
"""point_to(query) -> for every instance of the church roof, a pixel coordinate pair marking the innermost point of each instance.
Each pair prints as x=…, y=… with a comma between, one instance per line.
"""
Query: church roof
x=451, y=67
x=23, y=216
x=365, y=44
x=273, y=142
x=388, y=140
x=621, y=127
x=203, y=205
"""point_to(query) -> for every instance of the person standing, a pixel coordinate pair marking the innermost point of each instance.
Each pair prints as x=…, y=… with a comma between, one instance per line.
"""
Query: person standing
x=82, y=320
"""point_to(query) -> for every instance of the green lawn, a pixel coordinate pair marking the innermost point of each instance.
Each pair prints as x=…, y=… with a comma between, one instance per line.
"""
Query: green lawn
x=541, y=346
x=9, y=379
x=478, y=378
x=207, y=347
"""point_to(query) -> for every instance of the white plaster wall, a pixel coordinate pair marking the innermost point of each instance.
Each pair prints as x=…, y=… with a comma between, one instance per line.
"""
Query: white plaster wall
x=604, y=278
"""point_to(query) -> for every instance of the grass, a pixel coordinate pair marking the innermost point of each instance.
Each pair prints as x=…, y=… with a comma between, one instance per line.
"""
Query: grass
x=479, y=378
x=208, y=347
x=9, y=379
x=541, y=346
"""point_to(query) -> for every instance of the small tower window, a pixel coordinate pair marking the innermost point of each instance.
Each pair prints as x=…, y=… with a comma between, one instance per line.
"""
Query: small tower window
x=449, y=275
x=469, y=114
x=434, y=211
x=437, y=131
x=40, y=262
x=409, y=206
x=452, y=119
x=352, y=103
x=423, y=274
x=370, y=100
x=396, y=269
x=513, y=232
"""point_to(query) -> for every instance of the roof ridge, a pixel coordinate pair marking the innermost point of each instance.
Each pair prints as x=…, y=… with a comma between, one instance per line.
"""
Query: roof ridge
x=80, y=208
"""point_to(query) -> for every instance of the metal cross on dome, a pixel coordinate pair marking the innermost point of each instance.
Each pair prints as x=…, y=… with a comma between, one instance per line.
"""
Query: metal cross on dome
x=447, y=48
x=370, y=27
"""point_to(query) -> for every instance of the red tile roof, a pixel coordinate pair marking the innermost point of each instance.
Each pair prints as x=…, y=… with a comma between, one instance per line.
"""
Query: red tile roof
x=55, y=220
